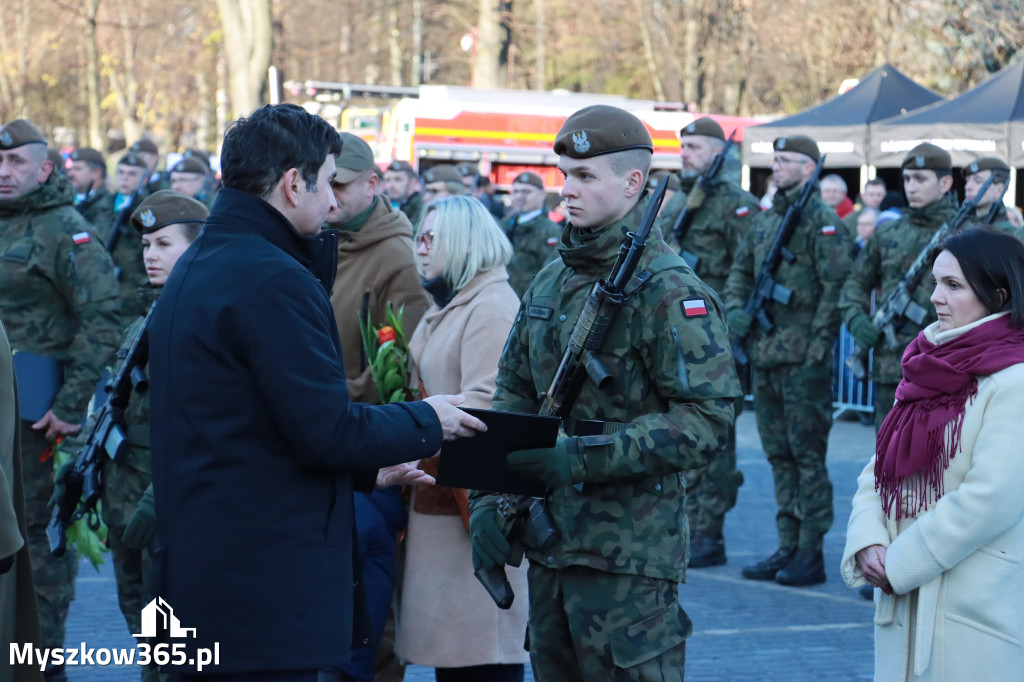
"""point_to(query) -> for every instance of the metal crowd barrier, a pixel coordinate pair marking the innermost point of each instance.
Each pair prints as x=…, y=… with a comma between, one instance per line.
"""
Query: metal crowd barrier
x=849, y=393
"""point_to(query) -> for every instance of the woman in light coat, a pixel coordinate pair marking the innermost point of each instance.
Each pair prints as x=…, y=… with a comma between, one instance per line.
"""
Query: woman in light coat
x=938, y=519
x=447, y=620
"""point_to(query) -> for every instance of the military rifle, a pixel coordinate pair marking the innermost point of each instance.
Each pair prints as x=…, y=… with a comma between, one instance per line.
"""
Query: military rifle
x=526, y=521
x=121, y=219
x=993, y=210
x=899, y=304
x=765, y=287
x=83, y=484
x=694, y=201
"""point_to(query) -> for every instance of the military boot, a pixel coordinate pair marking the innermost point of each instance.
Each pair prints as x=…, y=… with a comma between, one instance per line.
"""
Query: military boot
x=766, y=570
x=807, y=568
x=707, y=549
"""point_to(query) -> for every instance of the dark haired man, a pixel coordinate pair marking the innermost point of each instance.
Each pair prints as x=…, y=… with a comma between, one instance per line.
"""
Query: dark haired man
x=88, y=175
x=534, y=236
x=402, y=186
x=256, y=446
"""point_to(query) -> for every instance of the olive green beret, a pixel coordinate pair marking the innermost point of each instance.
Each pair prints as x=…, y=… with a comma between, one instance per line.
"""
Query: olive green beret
x=985, y=163
x=144, y=145
x=601, y=129
x=55, y=158
x=132, y=159
x=800, y=144
x=467, y=168
x=193, y=153
x=928, y=156
x=445, y=173
x=657, y=177
x=529, y=178
x=167, y=207
x=355, y=158
x=706, y=126
x=403, y=166
x=88, y=155
x=190, y=165
x=19, y=132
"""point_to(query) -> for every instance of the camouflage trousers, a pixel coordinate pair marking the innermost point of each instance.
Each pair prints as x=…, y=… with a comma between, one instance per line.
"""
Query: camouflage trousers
x=589, y=626
x=794, y=415
x=885, y=396
x=711, y=490
x=54, y=578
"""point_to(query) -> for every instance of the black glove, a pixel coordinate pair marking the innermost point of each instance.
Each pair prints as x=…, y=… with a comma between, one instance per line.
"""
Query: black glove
x=60, y=488
x=553, y=466
x=141, y=528
x=864, y=331
x=739, y=323
x=489, y=545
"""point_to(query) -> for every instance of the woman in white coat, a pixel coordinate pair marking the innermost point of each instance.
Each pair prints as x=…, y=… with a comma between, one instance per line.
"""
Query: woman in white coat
x=938, y=519
x=446, y=619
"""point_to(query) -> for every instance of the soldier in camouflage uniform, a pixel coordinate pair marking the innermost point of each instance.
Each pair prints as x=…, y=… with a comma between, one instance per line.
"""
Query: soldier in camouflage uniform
x=147, y=150
x=722, y=214
x=88, y=176
x=975, y=175
x=58, y=300
x=604, y=599
x=122, y=242
x=927, y=180
x=402, y=187
x=792, y=363
x=190, y=177
x=533, y=235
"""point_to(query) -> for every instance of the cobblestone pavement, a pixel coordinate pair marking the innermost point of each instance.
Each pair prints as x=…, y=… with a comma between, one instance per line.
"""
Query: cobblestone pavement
x=743, y=630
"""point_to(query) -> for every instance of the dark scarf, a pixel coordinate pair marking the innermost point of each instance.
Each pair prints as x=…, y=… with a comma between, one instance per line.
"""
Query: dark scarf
x=921, y=434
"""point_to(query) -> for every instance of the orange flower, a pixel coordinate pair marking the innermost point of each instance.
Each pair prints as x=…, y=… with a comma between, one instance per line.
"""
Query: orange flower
x=385, y=334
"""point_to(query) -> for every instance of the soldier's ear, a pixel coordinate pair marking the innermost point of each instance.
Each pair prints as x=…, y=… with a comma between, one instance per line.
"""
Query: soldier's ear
x=635, y=182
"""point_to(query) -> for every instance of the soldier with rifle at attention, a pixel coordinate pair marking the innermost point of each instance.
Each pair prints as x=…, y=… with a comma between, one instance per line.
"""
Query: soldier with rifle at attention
x=123, y=245
x=782, y=291
x=706, y=223
x=990, y=209
x=655, y=400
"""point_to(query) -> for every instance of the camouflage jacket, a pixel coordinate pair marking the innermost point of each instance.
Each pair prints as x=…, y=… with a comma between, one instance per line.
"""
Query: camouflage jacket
x=58, y=297
x=534, y=245
x=127, y=256
x=806, y=329
x=723, y=216
x=98, y=209
x=1000, y=221
x=673, y=380
x=882, y=263
x=412, y=207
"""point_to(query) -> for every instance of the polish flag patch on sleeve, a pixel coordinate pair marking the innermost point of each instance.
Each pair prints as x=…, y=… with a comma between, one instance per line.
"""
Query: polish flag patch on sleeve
x=742, y=211
x=81, y=237
x=552, y=241
x=695, y=307
x=828, y=230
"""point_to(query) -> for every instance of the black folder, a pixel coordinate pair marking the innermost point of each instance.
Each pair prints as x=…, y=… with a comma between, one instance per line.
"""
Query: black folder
x=39, y=380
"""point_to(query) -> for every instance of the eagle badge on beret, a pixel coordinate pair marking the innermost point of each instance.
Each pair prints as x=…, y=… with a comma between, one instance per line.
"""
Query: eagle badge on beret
x=973, y=168
x=919, y=161
x=5, y=138
x=782, y=143
x=147, y=218
x=580, y=142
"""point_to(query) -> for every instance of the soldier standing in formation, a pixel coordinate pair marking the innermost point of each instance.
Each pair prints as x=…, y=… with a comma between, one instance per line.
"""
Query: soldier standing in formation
x=402, y=187
x=616, y=498
x=442, y=181
x=88, y=175
x=121, y=241
x=533, y=235
x=792, y=364
x=147, y=150
x=722, y=214
x=189, y=176
x=58, y=299
x=975, y=175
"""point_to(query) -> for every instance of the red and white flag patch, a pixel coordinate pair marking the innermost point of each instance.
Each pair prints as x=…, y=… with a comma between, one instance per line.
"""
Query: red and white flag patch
x=742, y=211
x=552, y=241
x=828, y=230
x=695, y=307
x=81, y=237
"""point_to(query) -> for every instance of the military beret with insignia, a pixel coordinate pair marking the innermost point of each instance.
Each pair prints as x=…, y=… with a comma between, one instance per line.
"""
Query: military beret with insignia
x=355, y=158
x=445, y=173
x=403, y=166
x=19, y=132
x=88, y=155
x=529, y=178
x=190, y=165
x=132, y=159
x=467, y=169
x=928, y=156
x=144, y=145
x=985, y=163
x=706, y=126
x=601, y=129
x=193, y=153
x=800, y=144
x=167, y=207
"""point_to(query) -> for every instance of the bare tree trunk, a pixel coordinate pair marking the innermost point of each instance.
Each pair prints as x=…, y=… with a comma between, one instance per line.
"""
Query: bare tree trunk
x=652, y=64
x=417, y=43
x=394, y=46
x=223, y=106
x=692, y=21
x=14, y=75
x=92, y=76
x=540, y=79
x=486, y=58
x=372, y=70
x=248, y=40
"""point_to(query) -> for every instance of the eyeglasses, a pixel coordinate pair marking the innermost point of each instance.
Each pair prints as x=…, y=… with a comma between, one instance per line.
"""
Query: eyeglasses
x=780, y=161
x=425, y=239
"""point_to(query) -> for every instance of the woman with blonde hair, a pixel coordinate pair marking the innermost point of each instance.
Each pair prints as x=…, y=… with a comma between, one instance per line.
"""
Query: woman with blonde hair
x=447, y=620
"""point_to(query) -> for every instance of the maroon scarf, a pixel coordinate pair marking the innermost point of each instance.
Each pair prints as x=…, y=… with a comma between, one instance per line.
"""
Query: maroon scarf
x=914, y=445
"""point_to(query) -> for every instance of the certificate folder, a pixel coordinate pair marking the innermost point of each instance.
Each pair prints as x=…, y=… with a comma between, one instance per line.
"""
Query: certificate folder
x=479, y=462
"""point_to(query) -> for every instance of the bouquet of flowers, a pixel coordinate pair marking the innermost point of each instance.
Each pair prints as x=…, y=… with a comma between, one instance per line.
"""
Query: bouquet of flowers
x=387, y=353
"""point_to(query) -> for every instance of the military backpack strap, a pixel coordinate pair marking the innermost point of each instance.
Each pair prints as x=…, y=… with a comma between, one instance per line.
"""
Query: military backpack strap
x=659, y=264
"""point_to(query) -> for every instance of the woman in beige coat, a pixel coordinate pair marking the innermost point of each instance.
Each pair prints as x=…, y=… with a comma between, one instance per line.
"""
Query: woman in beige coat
x=447, y=620
x=938, y=519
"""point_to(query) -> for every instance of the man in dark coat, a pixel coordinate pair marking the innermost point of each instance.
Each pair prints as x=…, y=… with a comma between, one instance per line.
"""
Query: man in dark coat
x=256, y=446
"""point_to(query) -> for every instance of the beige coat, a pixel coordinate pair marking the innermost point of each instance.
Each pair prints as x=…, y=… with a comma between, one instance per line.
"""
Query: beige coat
x=18, y=623
x=957, y=568
x=446, y=618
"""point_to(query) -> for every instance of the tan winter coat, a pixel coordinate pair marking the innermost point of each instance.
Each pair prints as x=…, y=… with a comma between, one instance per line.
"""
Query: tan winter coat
x=446, y=618
x=375, y=265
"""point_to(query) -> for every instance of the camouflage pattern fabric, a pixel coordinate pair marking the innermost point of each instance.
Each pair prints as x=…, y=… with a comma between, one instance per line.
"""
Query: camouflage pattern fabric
x=591, y=625
x=885, y=398
x=413, y=209
x=673, y=380
x=98, y=210
x=723, y=217
x=534, y=245
x=1000, y=222
x=127, y=256
x=794, y=415
x=711, y=490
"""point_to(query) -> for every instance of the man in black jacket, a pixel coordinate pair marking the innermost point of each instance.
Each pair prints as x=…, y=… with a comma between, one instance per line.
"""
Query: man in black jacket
x=256, y=446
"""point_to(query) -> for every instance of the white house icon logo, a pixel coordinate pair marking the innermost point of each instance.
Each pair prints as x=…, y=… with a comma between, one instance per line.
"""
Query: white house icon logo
x=159, y=614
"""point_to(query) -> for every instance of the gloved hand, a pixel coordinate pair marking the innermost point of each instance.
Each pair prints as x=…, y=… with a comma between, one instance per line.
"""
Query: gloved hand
x=60, y=487
x=141, y=528
x=552, y=466
x=864, y=331
x=489, y=545
x=739, y=323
